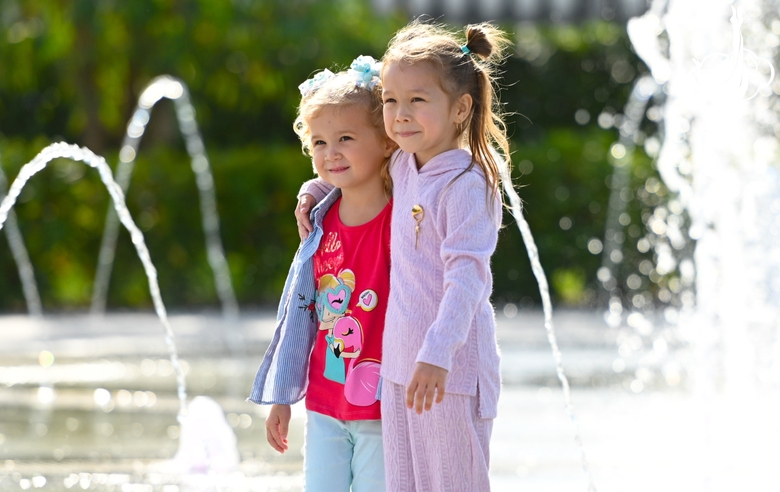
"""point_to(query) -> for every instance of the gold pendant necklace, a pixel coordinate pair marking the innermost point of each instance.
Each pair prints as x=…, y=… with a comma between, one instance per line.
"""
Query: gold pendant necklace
x=417, y=214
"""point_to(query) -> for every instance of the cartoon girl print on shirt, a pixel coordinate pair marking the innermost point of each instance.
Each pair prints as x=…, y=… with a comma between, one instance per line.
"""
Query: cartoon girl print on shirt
x=333, y=295
x=345, y=339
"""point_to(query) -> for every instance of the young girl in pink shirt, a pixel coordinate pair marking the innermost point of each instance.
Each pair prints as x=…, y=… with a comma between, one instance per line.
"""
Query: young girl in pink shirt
x=328, y=341
x=440, y=108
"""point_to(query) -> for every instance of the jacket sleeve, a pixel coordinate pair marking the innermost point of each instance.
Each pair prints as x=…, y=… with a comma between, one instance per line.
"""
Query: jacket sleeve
x=468, y=223
x=283, y=374
x=317, y=188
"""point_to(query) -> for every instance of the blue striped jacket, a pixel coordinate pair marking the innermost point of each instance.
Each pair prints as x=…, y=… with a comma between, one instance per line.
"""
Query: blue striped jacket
x=283, y=374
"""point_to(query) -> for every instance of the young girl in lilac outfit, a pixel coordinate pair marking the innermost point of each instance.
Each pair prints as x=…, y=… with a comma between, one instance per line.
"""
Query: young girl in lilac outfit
x=441, y=110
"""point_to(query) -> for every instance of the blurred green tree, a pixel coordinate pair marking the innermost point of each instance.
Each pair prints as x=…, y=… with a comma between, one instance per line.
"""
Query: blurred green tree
x=72, y=70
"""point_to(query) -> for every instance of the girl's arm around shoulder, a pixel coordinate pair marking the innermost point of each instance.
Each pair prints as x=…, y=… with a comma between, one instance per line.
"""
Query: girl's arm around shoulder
x=311, y=193
x=317, y=188
x=467, y=220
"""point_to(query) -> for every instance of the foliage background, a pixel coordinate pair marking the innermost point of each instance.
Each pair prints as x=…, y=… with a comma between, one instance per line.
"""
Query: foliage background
x=72, y=71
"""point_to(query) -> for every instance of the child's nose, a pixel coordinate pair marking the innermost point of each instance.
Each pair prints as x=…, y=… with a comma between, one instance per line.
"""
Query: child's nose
x=332, y=154
x=401, y=112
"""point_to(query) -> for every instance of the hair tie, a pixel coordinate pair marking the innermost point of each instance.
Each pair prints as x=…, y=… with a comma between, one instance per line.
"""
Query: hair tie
x=465, y=49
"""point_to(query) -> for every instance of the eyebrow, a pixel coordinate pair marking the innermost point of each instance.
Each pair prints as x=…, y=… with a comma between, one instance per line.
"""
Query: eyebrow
x=337, y=132
x=413, y=91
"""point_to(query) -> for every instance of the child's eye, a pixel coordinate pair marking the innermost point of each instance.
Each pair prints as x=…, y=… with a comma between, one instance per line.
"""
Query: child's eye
x=389, y=100
x=318, y=142
x=346, y=137
x=417, y=99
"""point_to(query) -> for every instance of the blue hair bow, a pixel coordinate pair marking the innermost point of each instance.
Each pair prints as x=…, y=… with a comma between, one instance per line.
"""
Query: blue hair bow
x=366, y=71
x=314, y=83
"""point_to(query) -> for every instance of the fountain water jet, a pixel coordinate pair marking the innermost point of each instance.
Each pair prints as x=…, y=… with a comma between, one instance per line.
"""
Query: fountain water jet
x=171, y=88
x=22, y=259
x=544, y=291
x=63, y=150
x=718, y=156
x=622, y=152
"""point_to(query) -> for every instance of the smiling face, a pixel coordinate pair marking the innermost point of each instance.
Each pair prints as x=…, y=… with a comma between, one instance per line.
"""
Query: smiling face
x=331, y=304
x=347, y=151
x=419, y=115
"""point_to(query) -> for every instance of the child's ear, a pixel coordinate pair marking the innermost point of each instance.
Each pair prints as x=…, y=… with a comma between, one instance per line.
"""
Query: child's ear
x=463, y=107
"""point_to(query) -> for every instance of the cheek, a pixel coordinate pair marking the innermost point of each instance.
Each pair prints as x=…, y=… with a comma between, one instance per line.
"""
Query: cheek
x=318, y=161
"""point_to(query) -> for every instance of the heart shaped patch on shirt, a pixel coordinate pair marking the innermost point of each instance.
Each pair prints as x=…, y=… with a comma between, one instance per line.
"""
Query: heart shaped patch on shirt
x=368, y=300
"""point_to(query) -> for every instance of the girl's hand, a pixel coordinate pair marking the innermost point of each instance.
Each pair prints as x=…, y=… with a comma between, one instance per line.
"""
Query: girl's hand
x=302, y=210
x=276, y=426
x=427, y=379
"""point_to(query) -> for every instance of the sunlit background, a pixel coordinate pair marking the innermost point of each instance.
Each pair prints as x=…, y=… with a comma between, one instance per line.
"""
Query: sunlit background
x=644, y=152
x=73, y=71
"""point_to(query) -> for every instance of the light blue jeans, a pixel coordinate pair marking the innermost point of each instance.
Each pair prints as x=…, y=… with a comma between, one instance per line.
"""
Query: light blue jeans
x=343, y=453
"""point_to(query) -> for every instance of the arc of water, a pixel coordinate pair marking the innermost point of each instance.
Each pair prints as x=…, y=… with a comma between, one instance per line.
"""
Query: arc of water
x=544, y=290
x=174, y=89
x=76, y=153
x=22, y=259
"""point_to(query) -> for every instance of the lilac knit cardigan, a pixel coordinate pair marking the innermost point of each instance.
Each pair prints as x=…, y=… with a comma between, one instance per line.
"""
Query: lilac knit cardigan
x=439, y=310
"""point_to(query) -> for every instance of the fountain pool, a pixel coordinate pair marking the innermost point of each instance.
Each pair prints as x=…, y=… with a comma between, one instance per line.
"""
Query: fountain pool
x=92, y=404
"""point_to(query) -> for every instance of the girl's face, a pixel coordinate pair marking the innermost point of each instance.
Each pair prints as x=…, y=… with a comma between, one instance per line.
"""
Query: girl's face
x=348, y=152
x=419, y=115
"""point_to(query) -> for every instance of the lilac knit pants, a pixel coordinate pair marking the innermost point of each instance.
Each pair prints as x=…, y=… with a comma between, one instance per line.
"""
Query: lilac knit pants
x=444, y=450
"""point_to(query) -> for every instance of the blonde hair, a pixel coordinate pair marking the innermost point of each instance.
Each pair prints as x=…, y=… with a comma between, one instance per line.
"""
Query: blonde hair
x=337, y=93
x=330, y=281
x=468, y=68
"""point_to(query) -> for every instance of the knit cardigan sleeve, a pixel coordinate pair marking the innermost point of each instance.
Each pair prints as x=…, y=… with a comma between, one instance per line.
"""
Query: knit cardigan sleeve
x=468, y=223
x=315, y=187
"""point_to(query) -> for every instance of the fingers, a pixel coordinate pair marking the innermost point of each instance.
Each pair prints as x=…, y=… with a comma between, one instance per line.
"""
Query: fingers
x=283, y=428
x=411, y=392
x=421, y=396
x=305, y=205
x=276, y=439
x=272, y=440
x=303, y=233
x=276, y=433
x=440, y=395
x=426, y=386
x=429, y=393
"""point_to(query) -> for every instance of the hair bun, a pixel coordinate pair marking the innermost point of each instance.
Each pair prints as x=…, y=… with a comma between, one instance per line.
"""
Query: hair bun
x=478, y=42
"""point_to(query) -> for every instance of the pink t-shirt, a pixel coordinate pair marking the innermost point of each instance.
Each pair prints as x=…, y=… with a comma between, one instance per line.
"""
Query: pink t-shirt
x=352, y=274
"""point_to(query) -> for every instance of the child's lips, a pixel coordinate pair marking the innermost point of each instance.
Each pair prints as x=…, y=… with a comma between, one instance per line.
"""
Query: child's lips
x=406, y=134
x=337, y=170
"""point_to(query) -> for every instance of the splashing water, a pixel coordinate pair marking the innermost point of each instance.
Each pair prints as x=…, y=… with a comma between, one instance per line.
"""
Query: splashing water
x=719, y=154
x=622, y=153
x=544, y=290
x=63, y=150
x=168, y=87
x=719, y=157
x=22, y=259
